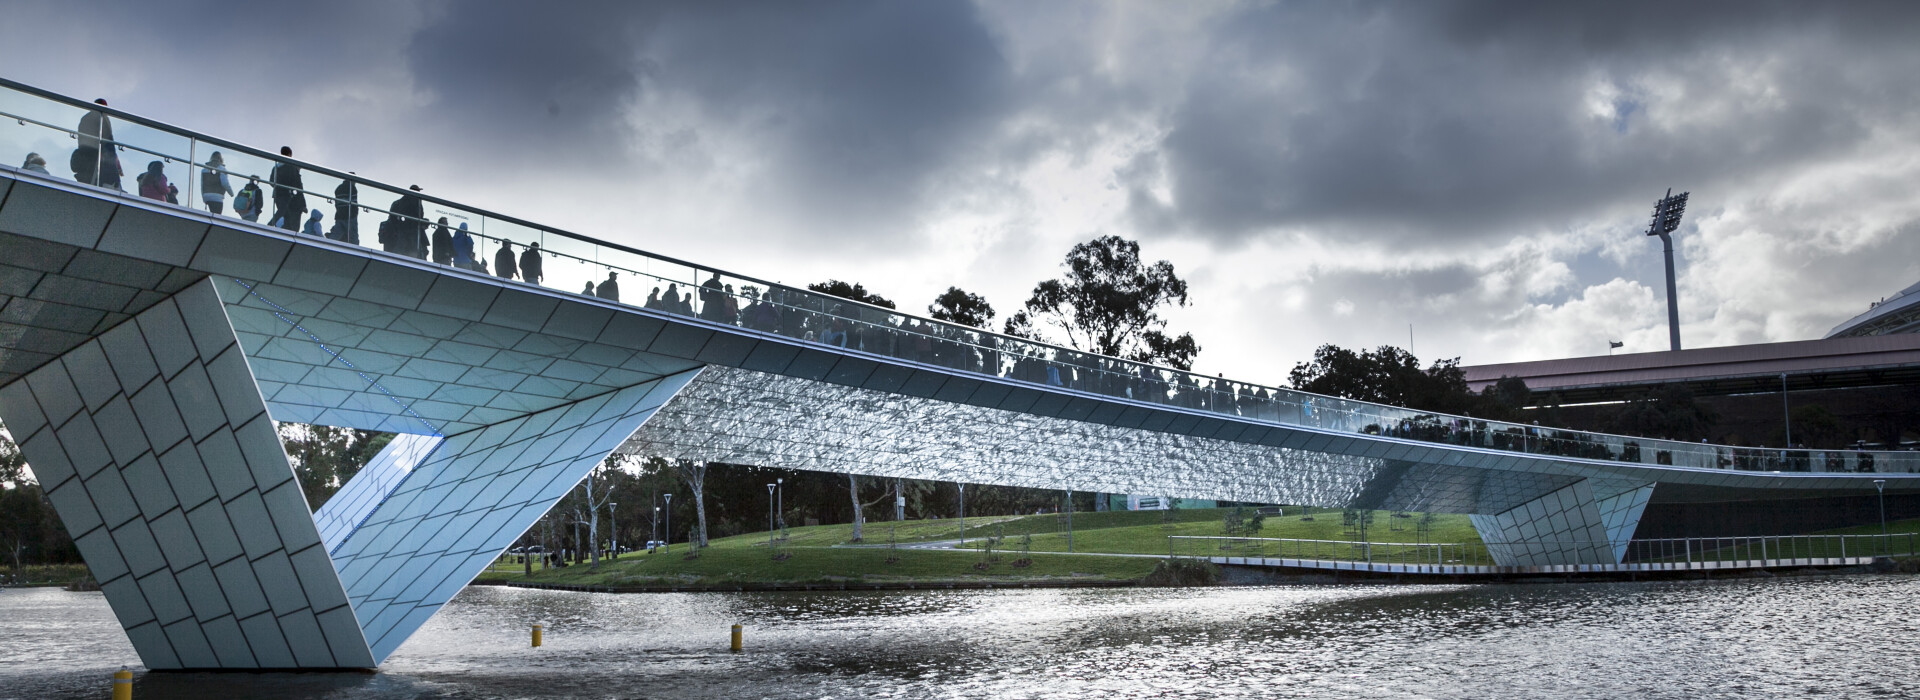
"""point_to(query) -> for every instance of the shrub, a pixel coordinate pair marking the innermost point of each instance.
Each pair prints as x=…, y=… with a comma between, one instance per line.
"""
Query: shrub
x=1182, y=572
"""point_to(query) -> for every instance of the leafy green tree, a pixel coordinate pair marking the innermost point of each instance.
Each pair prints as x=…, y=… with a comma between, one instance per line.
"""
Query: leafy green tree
x=25, y=518
x=326, y=458
x=851, y=290
x=959, y=306
x=1667, y=411
x=1505, y=399
x=1817, y=428
x=1109, y=303
x=1387, y=375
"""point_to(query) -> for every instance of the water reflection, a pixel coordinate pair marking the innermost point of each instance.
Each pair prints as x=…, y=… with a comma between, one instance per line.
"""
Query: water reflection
x=1761, y=638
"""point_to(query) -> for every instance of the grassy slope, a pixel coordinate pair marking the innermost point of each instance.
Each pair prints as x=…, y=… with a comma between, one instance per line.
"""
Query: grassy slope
x=1152, y=539
x=816, y=558
x=718, y=565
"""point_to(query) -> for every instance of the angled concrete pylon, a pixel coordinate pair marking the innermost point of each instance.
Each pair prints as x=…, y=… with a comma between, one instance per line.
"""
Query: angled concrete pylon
x=1589, y=521
x=155, y=446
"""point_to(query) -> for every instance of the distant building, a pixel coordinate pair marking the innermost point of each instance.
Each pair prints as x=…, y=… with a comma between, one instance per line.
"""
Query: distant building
x=1899, y=313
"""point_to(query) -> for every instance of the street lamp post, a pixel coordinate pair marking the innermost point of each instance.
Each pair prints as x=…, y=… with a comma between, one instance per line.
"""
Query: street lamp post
x=963, y=514
x=653, y=529
x=1069, y=521
x=614, y=525
x=780, y=500
x=770, y=488
x=1880, y=485
x=1786, y=414
x=666, y=543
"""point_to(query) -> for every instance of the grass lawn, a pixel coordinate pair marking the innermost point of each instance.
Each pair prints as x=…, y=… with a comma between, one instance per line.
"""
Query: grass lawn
x=815, y=556
x=877, y=532
x=1895, y=527
x=1152, y=539
x=723, y=565
x=45, y=574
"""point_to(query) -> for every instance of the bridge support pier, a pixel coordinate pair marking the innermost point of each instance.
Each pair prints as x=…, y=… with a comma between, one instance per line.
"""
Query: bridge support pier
x=154, y=444
x=1587, y=522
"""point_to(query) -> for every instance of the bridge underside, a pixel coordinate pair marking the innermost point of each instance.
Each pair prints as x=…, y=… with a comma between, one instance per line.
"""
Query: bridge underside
x=145, y=353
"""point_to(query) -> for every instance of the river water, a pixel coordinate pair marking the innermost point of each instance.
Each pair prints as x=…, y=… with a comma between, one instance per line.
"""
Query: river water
x=1853, y=636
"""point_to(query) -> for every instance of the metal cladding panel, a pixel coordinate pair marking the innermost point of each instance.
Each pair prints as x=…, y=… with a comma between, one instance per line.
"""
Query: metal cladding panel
x=54, y=215
x=162, y=550
x=360, y=495
x=1588, y=521
x=402, y=537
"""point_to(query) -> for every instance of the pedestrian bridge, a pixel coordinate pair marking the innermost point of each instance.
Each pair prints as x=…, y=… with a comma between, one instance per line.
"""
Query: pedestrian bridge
x=146, y=348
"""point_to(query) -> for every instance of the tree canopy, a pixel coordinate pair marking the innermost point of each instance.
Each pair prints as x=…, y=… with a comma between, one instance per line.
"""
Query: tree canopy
x=1109, y=303
x=1392, y=376
x=851, y=290
x=960, y=306
x=1666, y=411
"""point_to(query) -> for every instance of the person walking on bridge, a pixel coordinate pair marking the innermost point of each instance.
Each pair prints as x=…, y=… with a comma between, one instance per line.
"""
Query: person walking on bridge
x=503, y=266
x=346, y=222
x=530, y=264
x=153, y=182
x=610, y=289
x=96, y=161
x=463, y=248
x=289, y=202
x=214, y=186
x=407, y=235
x=442, y=243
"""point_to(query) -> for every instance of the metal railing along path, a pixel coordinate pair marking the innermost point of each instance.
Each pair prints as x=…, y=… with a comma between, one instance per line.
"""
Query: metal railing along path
x=1651, y=555
x=351, y=212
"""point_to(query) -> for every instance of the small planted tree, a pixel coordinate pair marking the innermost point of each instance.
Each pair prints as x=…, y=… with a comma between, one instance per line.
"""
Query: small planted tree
x=1026, y=551
x=1233, y=524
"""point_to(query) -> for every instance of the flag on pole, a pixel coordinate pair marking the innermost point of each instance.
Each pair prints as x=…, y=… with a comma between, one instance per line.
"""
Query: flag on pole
x=1611, y=344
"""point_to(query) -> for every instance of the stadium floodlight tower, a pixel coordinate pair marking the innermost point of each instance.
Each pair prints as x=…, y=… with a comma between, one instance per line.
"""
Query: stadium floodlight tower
x=1666, y=219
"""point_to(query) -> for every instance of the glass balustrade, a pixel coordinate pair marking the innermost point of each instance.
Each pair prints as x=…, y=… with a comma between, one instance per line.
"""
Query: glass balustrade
x=356, y=211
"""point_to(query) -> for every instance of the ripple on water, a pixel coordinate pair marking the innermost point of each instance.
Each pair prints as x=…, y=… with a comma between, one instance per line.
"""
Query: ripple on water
x=1844, y=636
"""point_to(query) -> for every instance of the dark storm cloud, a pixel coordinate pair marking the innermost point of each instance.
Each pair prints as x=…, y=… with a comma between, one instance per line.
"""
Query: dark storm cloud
x=1418, y=120
x=850, y=106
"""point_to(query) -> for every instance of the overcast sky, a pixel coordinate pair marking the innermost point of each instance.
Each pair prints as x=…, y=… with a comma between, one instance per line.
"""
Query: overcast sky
x=1319, y=172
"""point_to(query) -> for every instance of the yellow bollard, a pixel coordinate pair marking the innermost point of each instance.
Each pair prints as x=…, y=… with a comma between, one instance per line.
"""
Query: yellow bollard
x=123, y=684
x=537, y=629
x=736, y=638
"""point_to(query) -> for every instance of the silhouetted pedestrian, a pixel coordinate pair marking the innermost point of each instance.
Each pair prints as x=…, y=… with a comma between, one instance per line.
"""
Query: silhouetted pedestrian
x=406, y=233
x=610, y=289
x=250, y=201
x=96, y=161
x=530, y=271
x=289, y=202
x=346, y=218
x=463, y=248
x=503, y=265
x=153, y=182
x=214, y=187
x=442, y=243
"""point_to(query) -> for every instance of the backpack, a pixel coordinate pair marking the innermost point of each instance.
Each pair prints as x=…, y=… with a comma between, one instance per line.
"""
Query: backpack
x=210, y=183
x=243, y=202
